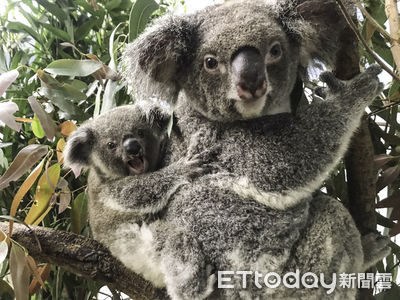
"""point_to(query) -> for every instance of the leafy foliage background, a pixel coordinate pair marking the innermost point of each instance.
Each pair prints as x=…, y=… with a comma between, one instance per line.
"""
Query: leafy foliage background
x=48, y=97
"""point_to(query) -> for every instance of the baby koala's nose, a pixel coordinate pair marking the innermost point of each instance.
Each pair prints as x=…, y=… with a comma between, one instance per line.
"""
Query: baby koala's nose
x=132, y=147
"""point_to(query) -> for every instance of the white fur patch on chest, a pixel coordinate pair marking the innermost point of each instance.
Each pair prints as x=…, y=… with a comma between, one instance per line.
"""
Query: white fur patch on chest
x=133, y=245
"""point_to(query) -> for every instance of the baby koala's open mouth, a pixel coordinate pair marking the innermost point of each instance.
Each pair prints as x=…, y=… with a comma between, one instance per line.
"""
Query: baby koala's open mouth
x=138, y=165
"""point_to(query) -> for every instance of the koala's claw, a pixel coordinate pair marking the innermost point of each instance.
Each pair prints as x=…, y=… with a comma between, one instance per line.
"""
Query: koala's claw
x=334, y=84
x=320, y=92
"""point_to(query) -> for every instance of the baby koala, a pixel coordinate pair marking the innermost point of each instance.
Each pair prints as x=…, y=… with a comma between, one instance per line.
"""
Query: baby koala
x=125, y=143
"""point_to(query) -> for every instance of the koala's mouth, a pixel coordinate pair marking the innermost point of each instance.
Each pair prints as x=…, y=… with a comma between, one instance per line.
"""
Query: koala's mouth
x=138, y=165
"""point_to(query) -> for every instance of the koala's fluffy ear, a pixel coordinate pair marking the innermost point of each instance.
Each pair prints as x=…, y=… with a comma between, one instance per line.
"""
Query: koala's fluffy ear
x=312, y=21
x=155, y=112
x=78, y=148
x=155, y=59
x=161, y=118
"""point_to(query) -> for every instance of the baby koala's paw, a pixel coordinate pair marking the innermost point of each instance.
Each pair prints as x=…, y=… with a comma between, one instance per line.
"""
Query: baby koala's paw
x=190, y=168
x=200, y=164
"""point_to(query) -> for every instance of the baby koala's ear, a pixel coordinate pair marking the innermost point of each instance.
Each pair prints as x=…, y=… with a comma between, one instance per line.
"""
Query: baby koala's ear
x=78, y=149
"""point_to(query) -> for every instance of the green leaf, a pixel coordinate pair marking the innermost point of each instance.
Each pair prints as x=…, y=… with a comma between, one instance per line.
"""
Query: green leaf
x=110, y=5
x=82, y=31
x=79, y=85
x=112, y=49
x=54, y=9
x=19, y=27
x=395, y=87
x=59, y=99
x=72, y=67
x=24, y=160
x=16, y=59
x=377, y=11
x=37, y=128
x=19, y=272
x=89, y=8
x=61, y=95
x=6, y=79
x=79, y=213
x=7, y=110
x=381, y=48
x=3, y=161
x=46, y=123
x=139, y=17
x=3, y=250
x=69, y=92
x=44, y=191
x=109, y=101
x=61, y=34
x=5, y=288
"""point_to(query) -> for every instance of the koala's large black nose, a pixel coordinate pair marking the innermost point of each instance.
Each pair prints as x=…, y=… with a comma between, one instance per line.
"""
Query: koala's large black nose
x=132, y=147
x=248, y=70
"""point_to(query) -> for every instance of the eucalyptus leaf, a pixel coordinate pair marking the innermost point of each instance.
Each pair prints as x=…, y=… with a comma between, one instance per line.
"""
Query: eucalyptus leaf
x=3, y=250
x=60, y=99
x=61, y=34
x=37, y=128
x=47, y=123
x=7, y=109
x=79, y=213
x=24, y=160
x=139, y=17
x=6, y=79
x=19, y=27
x=19, y=272
x=72, y=67
x=54, y=9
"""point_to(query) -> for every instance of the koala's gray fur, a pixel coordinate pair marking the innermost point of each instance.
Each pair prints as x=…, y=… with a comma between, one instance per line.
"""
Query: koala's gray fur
x=253, y=212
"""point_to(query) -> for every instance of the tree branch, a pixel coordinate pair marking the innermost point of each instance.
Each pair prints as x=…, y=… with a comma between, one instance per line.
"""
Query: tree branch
x=360, y=170
x=84, y=257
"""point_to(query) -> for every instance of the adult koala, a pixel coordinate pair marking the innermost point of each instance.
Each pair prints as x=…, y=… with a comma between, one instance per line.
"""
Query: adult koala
x=253, y=213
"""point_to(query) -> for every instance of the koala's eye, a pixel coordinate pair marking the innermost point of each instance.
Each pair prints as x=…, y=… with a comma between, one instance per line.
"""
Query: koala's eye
x=276, y=50
x=140, y=133
x=275, y=53
x=211, y=64
x=111, y=145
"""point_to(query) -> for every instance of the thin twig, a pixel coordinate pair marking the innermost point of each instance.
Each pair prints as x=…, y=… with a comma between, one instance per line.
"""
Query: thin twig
x=384, y=108
x=362, y=40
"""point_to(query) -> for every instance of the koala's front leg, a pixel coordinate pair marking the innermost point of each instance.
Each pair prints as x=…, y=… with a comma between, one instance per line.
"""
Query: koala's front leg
x=298, y=157
x=150, y=192
x=186, y=273
x=315, y=142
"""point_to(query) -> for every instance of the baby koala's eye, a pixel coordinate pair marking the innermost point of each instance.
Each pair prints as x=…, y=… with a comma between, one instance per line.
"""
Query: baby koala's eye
x=274, y=54
x=111, y=145
x=140, y=133
x=211, y=64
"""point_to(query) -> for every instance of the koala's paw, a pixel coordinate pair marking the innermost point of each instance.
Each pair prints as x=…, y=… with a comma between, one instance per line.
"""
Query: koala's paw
x=334, y=85
x=367, y=84
x=199, y=164
x=362, y=88
x=375, y=248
